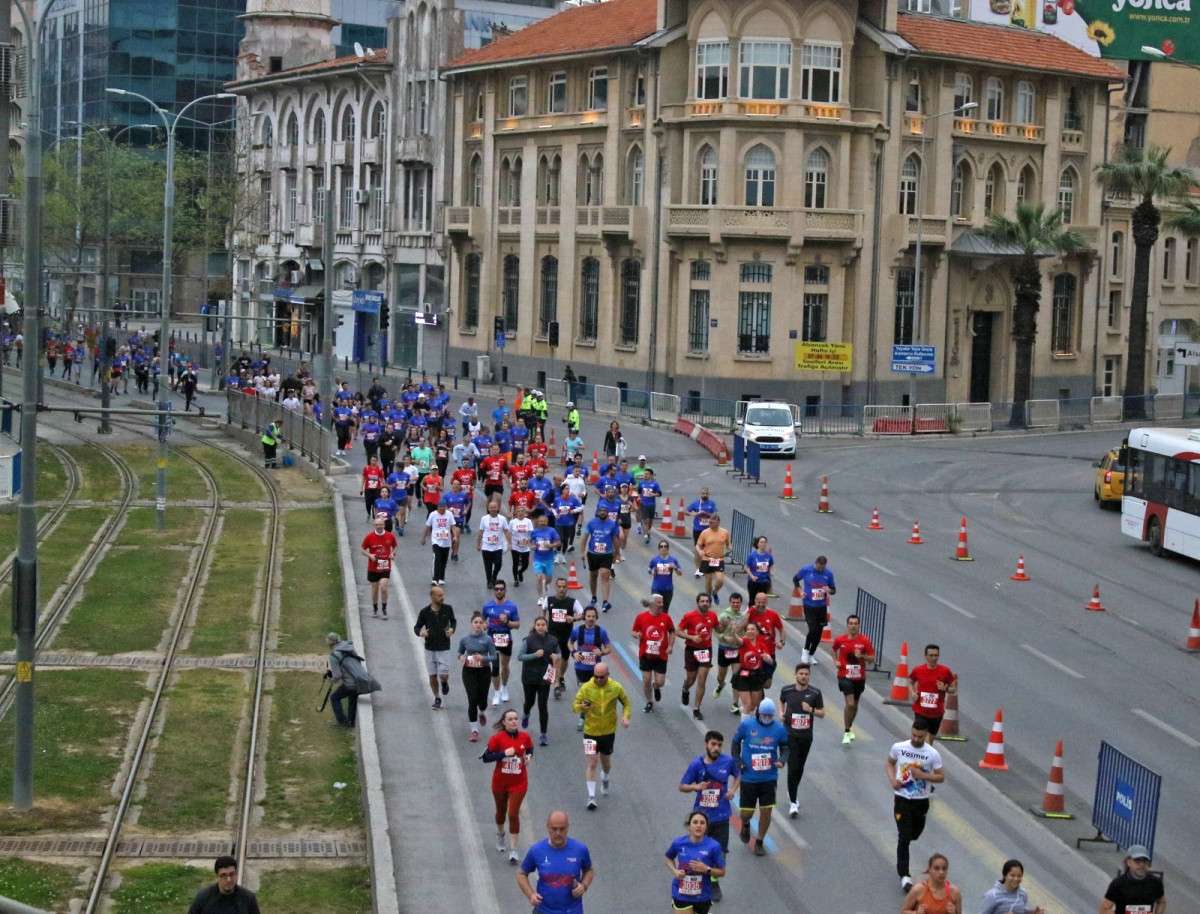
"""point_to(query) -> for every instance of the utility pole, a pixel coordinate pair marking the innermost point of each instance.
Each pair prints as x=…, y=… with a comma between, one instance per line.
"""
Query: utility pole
x=5, y=161
x=326, y=378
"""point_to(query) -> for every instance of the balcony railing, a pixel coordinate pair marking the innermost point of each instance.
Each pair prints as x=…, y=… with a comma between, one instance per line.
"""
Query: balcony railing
x=1072, y=139
x=415, y=148
x=757, y=108
x=464, y=220
x=792, y=225
x=969, y=126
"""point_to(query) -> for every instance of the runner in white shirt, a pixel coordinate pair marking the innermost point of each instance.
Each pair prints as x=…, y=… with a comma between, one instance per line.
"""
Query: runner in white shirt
x=441, y=524
x=577, y=485
x=519, y=529
x=491, y=541
x=913, y=768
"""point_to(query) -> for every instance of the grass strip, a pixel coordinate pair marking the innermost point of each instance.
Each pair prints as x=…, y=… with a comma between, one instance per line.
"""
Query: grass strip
x=298, y=487
x=306, y=755
x=99, y=480
x=327, y=890
x=159, y=888
x=224, y=622
x=183, y=525
x=311, y=589
x=40, y=885
x=238, y=483
x=184, y=482
x=51, y=475
x=188, y=786
x=81, y=723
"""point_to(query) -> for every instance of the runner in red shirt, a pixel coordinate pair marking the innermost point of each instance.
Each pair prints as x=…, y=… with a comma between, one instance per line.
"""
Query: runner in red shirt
x=493, y=468
x=379, y=546
x=521, y=497
x=696, y=628
x=656, y=637
x=519, y=470
x=852, y=651
x=431, y=491
x=536, y=448
x=756, y=665
x=770, y=627
x=372, y=480
x=465, y=476
x=928, y=686
x=511, y=748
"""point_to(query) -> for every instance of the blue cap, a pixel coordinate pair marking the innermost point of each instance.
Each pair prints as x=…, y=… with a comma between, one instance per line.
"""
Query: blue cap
x=766, y=708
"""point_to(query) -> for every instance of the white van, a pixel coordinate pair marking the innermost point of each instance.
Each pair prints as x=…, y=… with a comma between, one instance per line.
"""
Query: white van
x=771, y=425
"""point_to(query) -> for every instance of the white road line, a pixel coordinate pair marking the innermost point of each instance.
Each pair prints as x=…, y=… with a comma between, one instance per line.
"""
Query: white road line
x=953, y=606
x=1062, y=667
x=883, y=568
x=784, y=510
x=811, y=532
x=848, y=523
x=1167, y=728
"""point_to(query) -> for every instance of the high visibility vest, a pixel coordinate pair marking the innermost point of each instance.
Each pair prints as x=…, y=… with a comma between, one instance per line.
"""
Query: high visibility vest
x=270, y=436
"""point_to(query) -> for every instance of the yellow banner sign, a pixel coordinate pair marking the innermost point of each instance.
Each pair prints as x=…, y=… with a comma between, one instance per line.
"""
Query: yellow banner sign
x=824, y=356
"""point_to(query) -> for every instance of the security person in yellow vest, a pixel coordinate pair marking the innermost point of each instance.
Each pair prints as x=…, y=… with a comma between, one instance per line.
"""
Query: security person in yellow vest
x=541, y=410
x=270, y=441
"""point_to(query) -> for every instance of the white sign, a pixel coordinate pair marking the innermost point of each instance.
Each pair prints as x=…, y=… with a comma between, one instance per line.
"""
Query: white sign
x=1187, y=353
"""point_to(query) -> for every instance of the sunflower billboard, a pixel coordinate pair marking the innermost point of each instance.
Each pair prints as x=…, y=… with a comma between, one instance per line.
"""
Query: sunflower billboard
x=1112, y=29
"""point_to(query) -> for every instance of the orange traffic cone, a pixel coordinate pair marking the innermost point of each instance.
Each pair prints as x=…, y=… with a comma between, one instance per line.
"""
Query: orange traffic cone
x=961, y=552
x=993, y=756
x=553, y=449
x=823, y=503
x=1094, y=605
x=899, y=693
x=787, y=483
x=680, y=516
x=949, y=728
x=796, y=604
x=573, y=579
x=1020, y=575
x=667, y=525
x=827, y=631
x=1054, y=801
x=874, y=524
x=1193, y=639
x=915, y=539
x=594, y=473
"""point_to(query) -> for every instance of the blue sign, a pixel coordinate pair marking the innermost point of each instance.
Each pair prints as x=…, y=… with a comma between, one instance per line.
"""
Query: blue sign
x=1123, y=800
x=500, y=341
x=914, y=359
x=1125, y=804
x=368, y=301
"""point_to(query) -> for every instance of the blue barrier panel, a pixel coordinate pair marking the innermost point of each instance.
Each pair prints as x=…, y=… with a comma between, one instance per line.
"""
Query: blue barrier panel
x=739, y=457
x=1125, y=807
x=754, y=465
x=873, y=613
x=741, y=537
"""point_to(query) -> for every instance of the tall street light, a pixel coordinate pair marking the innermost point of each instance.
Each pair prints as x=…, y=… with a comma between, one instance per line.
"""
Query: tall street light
x=170, y=122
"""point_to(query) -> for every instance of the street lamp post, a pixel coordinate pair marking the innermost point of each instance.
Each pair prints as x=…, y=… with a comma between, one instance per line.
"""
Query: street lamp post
x=164, y=403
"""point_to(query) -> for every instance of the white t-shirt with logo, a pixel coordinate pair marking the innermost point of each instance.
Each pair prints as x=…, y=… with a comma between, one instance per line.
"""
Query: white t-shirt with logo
x=441, y=525
x=491, y=532
x=519, y=529
x=906, y=757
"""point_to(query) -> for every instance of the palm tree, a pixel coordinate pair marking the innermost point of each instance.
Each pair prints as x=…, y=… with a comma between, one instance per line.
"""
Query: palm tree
x=1038, y=234
x=1186, y=219
x=1142, y=174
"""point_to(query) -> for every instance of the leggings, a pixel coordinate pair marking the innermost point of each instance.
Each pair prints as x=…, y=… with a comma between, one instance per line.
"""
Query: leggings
x=567, y=535
x=520, y=564
x=369, y=497
x=508, y=803
x=815, y=617
x=476, y=681
x=343, y=437
x=910, y=822
x=540, y=692
x=493, y=564
x=440, y=554
x=797, y=755
x=754, y=587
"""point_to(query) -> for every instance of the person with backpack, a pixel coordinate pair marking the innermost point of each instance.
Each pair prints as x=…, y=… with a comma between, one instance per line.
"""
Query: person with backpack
x=349, y=677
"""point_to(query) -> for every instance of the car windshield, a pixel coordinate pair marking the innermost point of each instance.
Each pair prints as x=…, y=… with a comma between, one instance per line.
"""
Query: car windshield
x=772, y=417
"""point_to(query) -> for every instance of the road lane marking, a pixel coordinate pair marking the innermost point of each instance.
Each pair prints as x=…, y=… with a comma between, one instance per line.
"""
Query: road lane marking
x=1062, y=667
x=783, y=509
x=848, y=523
x=1167, y=728
x=873, y=564
x=811, y=532
x=953, y=606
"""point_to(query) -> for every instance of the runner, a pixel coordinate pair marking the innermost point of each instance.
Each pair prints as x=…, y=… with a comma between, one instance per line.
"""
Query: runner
x=928, y=686
x=1007, y=896
x=435, y=625
x=912, y=766
x=441, y=525
x=853, y=651
x=600, y=543
x=756, y=664
x=577, y=487
x=758, y=746
x=457, y=503
x=372, y=481
x=386, y=505
x=477, y=654
x=663, y=568
x=491, y=541
x=648, y=493
x=770, y=627
x=511, y=749
x=502, y=617
x=817, y=584
x=539, y=655
x=801, y=703
x=625, y=510
x=759, y=563
x=612, y=505
x=694, y=860
x=696, y=628
x=713, y=777
x=656, y=636
x=597, y=701
x=701, y=510
x=567, y=509
x=379, y=547
x=431, y=490
x=729, y=623
x=492, y=469
x=520, y=530
x=545, y=542
x=1136, y=889
x=562, y=611
x=564, y=868
x=934, y=894
x=465, y=477
x=712, y=545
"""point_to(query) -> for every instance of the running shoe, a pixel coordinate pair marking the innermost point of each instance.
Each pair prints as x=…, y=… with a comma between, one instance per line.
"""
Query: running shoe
x=437, y=704
x=501, y=846
x=683, y=700
x=482, y=719
x=744, y=834
x=793, y=810
x=657, y=694
x=473, y=737
x=720, y=689
x=544, y=740
x=592, y=804
x=513, y=859
x=760, y=849
x=525, y=722
x=906, y=883
x=649, y=707
x=847, y=739
x=605, y=606
x=504, y=693
x=697, y=573
x=496, y=700
x=696, y=715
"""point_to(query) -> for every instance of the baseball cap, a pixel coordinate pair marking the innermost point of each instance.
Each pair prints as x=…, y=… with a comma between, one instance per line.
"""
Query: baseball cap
x=1137, y=852
x=766, y=708
x=641, y=456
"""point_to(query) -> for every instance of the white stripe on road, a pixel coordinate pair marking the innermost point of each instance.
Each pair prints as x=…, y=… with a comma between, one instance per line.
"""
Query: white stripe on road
x=811, y=532
x=954, y=606
x=783, y=509
x=1167, y=728
x=848, y=523
x=1062, y=667
x=884, y=569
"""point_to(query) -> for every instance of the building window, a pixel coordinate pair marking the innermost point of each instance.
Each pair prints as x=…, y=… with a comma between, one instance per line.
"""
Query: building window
x=518, y=96
x=993, y=191
x=549, y=309
x=418, y=185
x=1066, y=195
x=318, y=196
x=637, y=97
x=816, y=179
x=754, y=321
x=765, y=69
x=1072, y=118
x=480, y=101
x=1117, y=265
x=964, y=90
x=290, y=203
x=918, y=6
x=1112, y=376
x=510, y=182
x=712, y=69
x=348, y=125
x=1114, y=308
x=1168, y=261
x=292, y=131
x=1189, y=261
x=631, y=301
x=912, y=96
x=816, y=304
x=318, y=131
x=548, y=180
x=1025, y=112
x=264, y=204
x=476, y=180
x=268, y=133
x=1062, y=319
x=589, y=298
x=816, y=275
x=910, y=177
x=346, y=210
x=958, y=189
x=375, y=202
x=598, y=89
x=760, y=177
x=902, y=333
x=708, y=176
x=701, y=271
x=698, y=311
x=556, y=93
x=1025, y=185
x=510, y=291
x=472, y=270
x=993, y=95
x=377, y=122
x=591, y=181
x=637, y=176
x=820, y=73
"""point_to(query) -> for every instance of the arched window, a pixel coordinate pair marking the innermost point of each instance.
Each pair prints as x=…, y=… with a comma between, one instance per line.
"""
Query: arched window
x=816, y=179
x=960, y=190
x=708, y=176
x=1067, y=182
x=1026, y=185
x=347, y=134
x=1062, y=320
x=993, y=191
x=637, y=176
x=910, y=178
x=375, y=128
x=1168, y=260
x=1189, y=262
x=510, y=291
x=472, y=270
x=631, y=301
x=1025, y=112
x=589, y=298
x=548, y=312
x=993, y=96
x=318, y=129
x=760, y=177
x=292, y=131
x=964, y=90
x=514, y=183
x=268, y=133
x=591, y=180
x=1117, y=265
x=476, y=180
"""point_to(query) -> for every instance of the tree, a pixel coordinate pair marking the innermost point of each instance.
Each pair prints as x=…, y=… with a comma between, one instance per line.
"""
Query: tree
x=1038, y=234
x=1143, y=175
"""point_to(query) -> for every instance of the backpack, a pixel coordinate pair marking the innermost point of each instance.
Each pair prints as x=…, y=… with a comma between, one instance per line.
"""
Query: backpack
x=355, y=675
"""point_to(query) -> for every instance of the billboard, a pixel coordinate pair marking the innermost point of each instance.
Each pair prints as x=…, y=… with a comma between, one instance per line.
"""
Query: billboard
x=1112, y=29
x=823, y=356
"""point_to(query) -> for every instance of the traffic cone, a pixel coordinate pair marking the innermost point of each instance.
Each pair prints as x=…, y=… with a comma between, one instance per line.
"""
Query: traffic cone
x=796, y=604
x=993, y=756
x=573, y=579
x=961, y=552
x=1094, y=605
x=899, y=693
x=594, y=473
x=1193, y=639
x=823, y=503
x=915, y=539
x=552, y=450
x=874, y=524
x=666, y=526
x=680, y=516
x=787, y=483
x=1020, y=575
x=949, y=728
x=827, y=631
x=1054, y=801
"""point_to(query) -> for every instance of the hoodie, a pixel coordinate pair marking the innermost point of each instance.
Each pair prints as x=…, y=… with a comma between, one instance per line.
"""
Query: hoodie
x=337, y=654
x=1000, y=900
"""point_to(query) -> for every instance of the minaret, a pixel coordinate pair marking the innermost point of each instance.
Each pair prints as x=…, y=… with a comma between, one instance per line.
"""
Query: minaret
x=281, y=34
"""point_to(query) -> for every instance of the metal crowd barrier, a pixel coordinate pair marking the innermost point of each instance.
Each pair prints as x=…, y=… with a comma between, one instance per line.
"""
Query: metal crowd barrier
x=873, y=613
x=1125, y=805
x=741, y=536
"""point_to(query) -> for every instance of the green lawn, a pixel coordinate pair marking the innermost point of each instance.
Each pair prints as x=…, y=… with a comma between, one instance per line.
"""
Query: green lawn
x=99, y=478
x=183, y=527
x=225, y=621
x=159, y=888
x=238, y=483
x=340, y=890
x=51, y=476
x=40, y=885
x=184, y=482
x=311, y=597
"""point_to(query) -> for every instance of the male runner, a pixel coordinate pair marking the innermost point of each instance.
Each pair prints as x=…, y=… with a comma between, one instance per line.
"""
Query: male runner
x=801, y=703
x=713, y=777
x=758, y=745
x=597, y=701
x=696, y=628
x=656, y=636
x=853, y=651
x=379, y=546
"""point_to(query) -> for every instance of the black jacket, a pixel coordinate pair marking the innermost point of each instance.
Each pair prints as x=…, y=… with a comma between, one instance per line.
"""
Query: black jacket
x=437, y=623
x=534, y=668
x=209, y=900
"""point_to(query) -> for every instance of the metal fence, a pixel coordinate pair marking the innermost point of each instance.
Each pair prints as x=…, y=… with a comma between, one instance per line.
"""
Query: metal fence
x=873, y=613
x=1125, y=806
x=298, y=432
x=741, y=538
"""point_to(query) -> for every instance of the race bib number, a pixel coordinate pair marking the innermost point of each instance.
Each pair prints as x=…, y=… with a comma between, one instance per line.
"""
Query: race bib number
x=854, y=671
x=714, y=563
x=693, y=883
x=599, y=548
x=501, y=639
x=663, y=569
x=818, y=594
x=383, y=564
x=761, y=761
x=929, y=700
x=703, y=655
x=372, y=482
x=652, y=647
x=710, y=797
x=558, y=615
x=801, y=721
x=550, y=675
x=474, y=661
x=1139, y=908
x=587, y=658
x=511, y=765
x=491, y=539
x=731, y=653
x=762, y=567
x=589, y=746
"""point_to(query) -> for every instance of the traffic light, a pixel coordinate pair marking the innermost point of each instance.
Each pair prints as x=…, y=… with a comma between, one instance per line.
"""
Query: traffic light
x=553, y=334
x=499, y=326
x=385, y=318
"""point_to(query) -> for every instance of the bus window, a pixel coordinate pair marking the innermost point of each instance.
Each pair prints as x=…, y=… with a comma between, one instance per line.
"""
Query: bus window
x=1133, y=477
x=1177, y=483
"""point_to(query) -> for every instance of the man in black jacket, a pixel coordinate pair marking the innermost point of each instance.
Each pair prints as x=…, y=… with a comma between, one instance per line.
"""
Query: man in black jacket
x=225, y=896
x=436, y=624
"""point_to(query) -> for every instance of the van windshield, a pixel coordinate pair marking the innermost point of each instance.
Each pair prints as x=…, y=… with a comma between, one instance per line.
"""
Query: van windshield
x=774, y=416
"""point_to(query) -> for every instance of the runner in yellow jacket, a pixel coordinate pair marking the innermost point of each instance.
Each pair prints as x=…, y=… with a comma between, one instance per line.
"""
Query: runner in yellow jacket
x=597, y=701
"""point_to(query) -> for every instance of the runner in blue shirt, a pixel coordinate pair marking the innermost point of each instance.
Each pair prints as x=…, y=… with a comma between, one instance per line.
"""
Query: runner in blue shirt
x=818, y=585
x=456, y=501
x=503, y=438
x=371, y=432
x=566, y=510
x=520, y=436
x=648, y=492
x=564, y=870
x=759, y=562
x=386, y=504
x=502, y=617
x=610, y=502
x=760, y=746
x=589, y=644
x=694, y=860
x=544, y=540
x=544, y=489
x=483, y=442
x=701, y=509
x=500, y=413
x=663, y=568
x=713, y=777
x=602, y=532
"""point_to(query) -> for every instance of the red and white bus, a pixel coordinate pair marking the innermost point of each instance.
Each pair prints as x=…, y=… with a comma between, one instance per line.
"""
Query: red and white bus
x=1161, y=505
